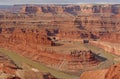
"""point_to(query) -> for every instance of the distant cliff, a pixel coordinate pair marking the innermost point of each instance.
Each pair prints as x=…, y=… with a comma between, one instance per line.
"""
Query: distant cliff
x=72, y=9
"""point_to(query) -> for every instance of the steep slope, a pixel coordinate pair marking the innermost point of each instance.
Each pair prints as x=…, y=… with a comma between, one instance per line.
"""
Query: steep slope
x=113, y=72
x=97, y=74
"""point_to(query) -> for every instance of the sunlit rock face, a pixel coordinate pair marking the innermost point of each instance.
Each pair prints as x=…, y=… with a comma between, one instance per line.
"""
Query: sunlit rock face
x=113, y=72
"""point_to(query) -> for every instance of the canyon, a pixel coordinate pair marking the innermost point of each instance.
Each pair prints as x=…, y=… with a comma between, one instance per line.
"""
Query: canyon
x=10, y=70
x=68, y=38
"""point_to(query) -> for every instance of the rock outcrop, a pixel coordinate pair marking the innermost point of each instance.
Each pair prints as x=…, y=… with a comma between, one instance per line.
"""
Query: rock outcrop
x=23, y=36
x=111, y=37
x=96, y=74
x=71, y=9
x=31, y=10
x=7, y=65
x=9, y=70
x=113, y=72
x=110, y=73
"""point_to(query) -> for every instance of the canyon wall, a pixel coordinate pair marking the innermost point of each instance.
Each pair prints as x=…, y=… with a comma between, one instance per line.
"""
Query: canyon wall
x=28, y=29
x=107, y=46
x=10, y=70
x=71, y=9
x=110, y=73
x=111, y=37
x=34, y=43
x=113, y=72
